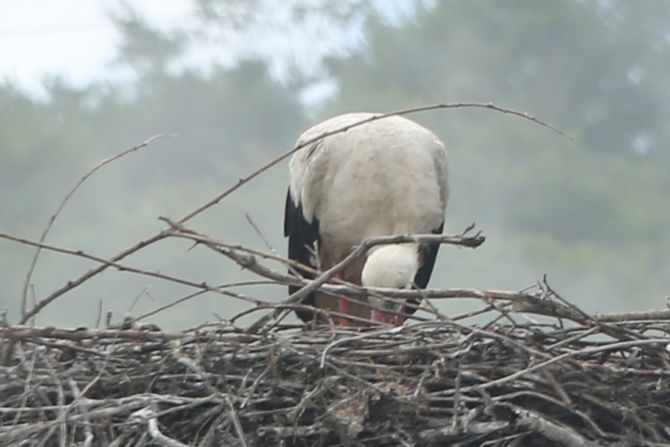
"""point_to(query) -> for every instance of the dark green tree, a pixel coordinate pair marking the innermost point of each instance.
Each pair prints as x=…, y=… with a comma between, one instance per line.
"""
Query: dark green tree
x=579, y=210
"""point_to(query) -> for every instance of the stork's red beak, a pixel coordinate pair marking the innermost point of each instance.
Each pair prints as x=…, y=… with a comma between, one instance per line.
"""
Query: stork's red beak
x=385, y=317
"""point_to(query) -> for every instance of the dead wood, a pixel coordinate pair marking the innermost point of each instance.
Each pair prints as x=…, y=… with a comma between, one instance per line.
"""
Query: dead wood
x=427, y=383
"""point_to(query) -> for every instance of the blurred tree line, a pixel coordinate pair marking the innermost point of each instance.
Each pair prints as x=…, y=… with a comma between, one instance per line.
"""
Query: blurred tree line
x=592, y=212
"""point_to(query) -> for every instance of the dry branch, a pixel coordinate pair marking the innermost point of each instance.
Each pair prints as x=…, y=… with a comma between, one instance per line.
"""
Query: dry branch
x=64, y=201
x=45, y=301
x=534, y=302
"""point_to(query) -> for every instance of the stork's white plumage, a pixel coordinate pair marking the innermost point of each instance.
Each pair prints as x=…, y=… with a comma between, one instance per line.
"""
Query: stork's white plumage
x=385, y=177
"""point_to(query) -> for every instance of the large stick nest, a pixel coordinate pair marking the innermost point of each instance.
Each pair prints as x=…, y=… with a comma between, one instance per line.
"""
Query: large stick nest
x=428, y=383
x=570, y=379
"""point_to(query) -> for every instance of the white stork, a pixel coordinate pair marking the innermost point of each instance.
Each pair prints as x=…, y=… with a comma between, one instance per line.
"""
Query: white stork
x=385, y=177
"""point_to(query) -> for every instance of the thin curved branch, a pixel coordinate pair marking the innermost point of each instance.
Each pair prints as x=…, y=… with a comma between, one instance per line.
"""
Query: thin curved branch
x=45, y=301
x=54, y=216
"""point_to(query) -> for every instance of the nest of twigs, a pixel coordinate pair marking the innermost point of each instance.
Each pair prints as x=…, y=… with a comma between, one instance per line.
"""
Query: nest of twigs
x=428, y=383
x=596, y=380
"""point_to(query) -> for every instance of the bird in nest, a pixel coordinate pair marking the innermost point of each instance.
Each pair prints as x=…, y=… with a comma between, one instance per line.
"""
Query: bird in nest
x=384, y=177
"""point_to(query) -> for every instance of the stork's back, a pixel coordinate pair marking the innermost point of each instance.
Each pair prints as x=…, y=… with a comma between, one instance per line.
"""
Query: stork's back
x=384, y=177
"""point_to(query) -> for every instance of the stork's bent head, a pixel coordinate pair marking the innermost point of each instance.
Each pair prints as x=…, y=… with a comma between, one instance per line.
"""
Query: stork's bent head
x=391, y=266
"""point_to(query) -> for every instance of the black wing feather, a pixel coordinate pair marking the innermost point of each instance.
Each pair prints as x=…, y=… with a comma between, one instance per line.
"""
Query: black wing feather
x=302, y=237
x=423, y=275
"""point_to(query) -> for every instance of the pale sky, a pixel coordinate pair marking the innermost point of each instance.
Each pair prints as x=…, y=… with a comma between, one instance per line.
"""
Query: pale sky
x=75, y=40
x=72, y=38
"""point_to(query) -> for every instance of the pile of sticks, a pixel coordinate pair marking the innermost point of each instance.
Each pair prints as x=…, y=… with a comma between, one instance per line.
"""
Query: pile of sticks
x=426, y=383
x=527, y=368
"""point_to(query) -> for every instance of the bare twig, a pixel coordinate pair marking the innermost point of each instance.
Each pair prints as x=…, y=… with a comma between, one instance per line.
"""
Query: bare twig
x=242, y=181
x=148, y=416
x=559, y=358
x=83, y=407
x=62, y=204
x=124, y=268
x=562, y=435
x=299, y=295
x=522, y=301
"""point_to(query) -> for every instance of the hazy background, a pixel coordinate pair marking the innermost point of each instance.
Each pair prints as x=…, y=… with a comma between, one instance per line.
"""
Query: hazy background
x=239, y=80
